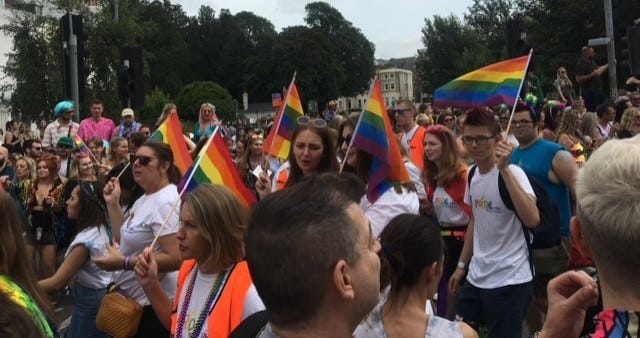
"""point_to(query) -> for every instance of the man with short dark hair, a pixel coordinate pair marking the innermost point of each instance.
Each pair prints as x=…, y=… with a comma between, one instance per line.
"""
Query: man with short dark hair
x=412, y=135
x=605, y=127
x=33, y=149
x=588, y=77
x=96, y=125
x=498, y=288
x=555, y=169
x=326, y=276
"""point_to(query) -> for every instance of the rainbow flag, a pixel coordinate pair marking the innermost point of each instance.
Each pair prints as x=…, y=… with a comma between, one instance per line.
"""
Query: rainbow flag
x=374, y=135
x=278, y=142
x=488, y=86
x=80, y=143
x=170, y=132
x=215, y=166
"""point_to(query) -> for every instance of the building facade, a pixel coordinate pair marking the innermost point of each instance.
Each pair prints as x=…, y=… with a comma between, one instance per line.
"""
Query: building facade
x=396, y=84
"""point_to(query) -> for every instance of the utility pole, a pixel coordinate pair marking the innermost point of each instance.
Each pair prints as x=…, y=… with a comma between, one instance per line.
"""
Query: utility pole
x=611, y=50
x=73, y=66
x=116, y=17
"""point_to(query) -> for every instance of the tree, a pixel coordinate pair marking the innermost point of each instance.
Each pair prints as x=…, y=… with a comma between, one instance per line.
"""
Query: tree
x=195, y=94
x=354, y=52
x=442, y=58
x=155, y=101
x=34, y=64
x=489, y=19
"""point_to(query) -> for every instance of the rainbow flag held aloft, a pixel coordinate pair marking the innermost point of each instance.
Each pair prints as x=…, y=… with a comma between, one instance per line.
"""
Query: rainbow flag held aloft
x=374, y=135
x=215, y=166
x=80, y=143
x=488, y=86
x=170, y=132
x=278, y=142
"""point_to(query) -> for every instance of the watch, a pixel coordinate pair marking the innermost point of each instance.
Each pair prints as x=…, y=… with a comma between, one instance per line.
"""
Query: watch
x=462, y=265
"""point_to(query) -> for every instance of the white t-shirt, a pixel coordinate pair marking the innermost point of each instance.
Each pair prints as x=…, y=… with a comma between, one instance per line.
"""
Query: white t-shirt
x=95, y=239
x=389, y=205
x=416, y=178
x=447, y=210
x=140, y=226
x=202, y=287
x=500, y=255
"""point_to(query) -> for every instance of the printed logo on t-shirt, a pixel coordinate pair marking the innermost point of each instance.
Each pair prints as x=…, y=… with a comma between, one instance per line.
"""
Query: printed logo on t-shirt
x=487, y=205
x=442, y=201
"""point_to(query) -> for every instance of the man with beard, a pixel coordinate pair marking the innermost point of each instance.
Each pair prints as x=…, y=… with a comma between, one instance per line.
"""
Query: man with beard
x=61, y=126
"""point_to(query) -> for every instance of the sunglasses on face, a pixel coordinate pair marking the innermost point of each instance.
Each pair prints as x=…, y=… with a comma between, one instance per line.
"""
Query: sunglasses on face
x=400, y=111
x=346, y=139
x=306, y=120
x=143, y=160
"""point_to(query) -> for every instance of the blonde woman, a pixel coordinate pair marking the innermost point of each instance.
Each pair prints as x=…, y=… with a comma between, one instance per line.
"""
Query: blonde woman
x=564, y=86
x=570, y=137
x=630, y=123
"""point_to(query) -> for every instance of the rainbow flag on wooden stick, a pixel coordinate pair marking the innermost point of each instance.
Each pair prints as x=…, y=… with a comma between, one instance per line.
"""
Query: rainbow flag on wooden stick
x=80, y=144
x=215, y=166
x=278, y=143
x=488, y=86
x=374, y=135
x=170, y=132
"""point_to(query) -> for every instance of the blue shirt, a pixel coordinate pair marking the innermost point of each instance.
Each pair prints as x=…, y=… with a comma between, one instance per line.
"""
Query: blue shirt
x=537, y=160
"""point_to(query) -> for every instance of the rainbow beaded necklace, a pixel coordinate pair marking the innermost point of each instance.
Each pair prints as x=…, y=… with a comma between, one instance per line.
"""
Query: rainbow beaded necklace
x=21, y=298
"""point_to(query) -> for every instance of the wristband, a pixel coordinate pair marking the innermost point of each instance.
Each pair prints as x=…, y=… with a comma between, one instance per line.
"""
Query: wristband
x=462, y=265
x=126, y=263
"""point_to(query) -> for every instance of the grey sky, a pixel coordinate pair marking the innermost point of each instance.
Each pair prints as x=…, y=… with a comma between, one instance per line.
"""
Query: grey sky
x=393, y=25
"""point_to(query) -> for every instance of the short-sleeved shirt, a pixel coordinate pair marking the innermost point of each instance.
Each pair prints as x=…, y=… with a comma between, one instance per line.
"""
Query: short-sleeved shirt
x=54, y=131
x=389, y=205
x=500, y=254
x=140, y=225
x=90, y=128
x=446, y=208
x=95, y=240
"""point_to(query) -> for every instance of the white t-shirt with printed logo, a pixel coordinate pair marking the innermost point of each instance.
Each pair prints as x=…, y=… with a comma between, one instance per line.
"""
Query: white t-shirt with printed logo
x=139, y=227
x=500, y=255
x=447, y=210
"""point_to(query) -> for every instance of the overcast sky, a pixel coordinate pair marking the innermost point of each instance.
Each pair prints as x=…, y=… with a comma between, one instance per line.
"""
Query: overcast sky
x=392, y=25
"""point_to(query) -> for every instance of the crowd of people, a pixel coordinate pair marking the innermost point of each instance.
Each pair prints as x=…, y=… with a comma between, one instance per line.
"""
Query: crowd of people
x=501, y=201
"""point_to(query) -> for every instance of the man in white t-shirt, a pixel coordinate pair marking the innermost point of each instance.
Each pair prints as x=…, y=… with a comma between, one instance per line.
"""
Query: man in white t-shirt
x=498, y=286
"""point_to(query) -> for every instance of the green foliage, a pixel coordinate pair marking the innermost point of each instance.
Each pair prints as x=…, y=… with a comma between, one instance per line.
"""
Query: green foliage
x=442, y=59
x=195, y=94
x=155, y=101
x=34, y=64
x=489, y=19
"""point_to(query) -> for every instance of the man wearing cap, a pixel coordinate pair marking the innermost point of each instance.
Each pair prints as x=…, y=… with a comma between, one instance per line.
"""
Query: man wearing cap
x=63, y=150
x=128, y=124
x=96, y=125
x=61, y=126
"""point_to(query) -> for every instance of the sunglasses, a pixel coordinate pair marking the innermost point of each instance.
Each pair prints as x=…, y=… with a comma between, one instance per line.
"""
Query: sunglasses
x=346, y=139
x=64, y=147
x=306, y=120
x=400, y=111
x=143, y=160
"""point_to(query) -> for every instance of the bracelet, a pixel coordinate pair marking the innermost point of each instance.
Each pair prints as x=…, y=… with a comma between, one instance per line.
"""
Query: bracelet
x=126, y=263
x=462, y=265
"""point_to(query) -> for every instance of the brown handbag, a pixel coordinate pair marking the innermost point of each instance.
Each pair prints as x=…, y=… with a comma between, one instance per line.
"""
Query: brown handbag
x=119, y=315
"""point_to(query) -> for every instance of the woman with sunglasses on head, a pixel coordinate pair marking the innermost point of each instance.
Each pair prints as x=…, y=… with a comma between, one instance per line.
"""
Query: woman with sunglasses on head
x=87, y=208
x=207, y=121
x=312, y=152
x=398, y=199
x=412, y=259
x=17, y=281
x=45, y=204
x=446, y=177
x=564, y=87
x=135, y=229
x=215, y=292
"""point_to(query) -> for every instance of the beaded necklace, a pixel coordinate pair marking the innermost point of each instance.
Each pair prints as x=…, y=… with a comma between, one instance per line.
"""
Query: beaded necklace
x=21, y=298
x=214, y=294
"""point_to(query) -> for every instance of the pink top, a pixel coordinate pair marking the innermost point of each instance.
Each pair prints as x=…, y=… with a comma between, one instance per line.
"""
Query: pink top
x=90, y=128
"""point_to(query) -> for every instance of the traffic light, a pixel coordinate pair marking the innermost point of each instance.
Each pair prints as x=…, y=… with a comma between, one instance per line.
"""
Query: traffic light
x=81, y=51
x=132, y=62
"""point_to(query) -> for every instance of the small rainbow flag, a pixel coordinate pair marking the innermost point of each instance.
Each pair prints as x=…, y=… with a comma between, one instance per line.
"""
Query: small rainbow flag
x=214, y=165
x=488, y=86
x=374, y=135
x=278, y=142
x=80, y=143
x=170, y=132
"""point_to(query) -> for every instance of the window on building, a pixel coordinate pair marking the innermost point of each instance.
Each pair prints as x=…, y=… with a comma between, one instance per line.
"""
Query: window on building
x=393, y=86
x=391, y=75
x=359, y=103
x=386, y=101
x=386, y=86
x=384, y=76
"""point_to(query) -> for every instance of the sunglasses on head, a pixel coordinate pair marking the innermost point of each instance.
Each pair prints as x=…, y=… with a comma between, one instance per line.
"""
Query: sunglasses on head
x=306, y=120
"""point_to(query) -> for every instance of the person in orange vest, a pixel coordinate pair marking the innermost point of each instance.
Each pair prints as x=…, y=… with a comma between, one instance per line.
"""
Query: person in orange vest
x=215, y=291
x=412, y=135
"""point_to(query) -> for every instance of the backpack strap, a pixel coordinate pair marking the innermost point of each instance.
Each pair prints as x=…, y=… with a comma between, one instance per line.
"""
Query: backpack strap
x=251, y=326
